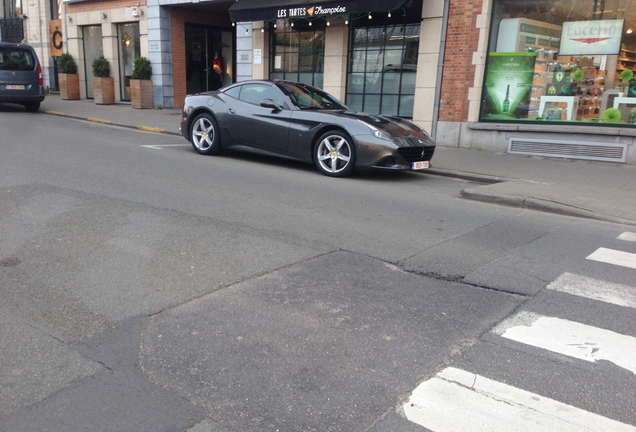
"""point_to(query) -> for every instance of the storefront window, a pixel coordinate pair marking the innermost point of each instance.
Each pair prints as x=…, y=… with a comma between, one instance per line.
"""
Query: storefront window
x=129, y=50
x=561, y=61
x=298, y=50
x=382, y=69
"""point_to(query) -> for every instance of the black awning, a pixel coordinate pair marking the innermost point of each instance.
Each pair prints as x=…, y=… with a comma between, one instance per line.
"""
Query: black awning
x=263, y=10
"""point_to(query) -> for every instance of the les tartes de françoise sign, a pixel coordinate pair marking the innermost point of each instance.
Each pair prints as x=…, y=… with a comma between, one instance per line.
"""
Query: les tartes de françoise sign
x=591, y=37
x=300, y=12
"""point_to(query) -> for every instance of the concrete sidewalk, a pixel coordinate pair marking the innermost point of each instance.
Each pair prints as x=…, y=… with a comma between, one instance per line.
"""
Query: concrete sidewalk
x=599, y=190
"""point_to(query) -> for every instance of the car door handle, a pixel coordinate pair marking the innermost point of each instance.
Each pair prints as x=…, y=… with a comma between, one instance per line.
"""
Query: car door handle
x=232, y=111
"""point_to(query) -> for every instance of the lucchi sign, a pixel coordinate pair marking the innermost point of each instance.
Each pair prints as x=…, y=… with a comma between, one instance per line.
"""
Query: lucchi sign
x=591, y=37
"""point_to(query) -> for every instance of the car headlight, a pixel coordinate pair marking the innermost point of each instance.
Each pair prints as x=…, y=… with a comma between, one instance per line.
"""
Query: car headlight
x=378, y=133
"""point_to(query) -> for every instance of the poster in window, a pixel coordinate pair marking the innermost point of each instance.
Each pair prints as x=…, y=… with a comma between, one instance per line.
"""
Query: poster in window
x=508, y=85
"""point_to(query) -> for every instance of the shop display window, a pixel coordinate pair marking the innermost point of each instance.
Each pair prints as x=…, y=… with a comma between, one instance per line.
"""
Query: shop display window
x=298, y=51
x=382, y=69
x=561, y=61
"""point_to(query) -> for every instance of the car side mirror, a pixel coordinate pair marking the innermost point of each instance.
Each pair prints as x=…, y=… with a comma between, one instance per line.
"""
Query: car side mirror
x=268, y=103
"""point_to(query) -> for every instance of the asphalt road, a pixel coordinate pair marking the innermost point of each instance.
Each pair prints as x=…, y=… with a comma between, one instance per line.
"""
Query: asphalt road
x=147, y=288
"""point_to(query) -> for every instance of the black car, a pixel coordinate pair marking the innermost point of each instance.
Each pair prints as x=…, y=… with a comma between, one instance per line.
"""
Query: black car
x=20, y=76
x=302, y=122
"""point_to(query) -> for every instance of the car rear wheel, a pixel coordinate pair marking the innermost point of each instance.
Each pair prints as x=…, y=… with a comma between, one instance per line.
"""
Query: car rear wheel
x=32, y=106
x=335, y=154
x=204, y=135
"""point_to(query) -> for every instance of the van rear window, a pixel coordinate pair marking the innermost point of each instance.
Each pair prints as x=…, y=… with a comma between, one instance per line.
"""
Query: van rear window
x=16, y=59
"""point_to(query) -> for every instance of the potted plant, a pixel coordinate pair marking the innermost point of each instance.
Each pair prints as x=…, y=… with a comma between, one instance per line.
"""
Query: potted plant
x=103, y=83
x=140, y=84
x=68, y=77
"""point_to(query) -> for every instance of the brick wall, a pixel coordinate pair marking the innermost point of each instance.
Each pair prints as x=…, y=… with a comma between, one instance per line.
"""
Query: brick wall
x=461, y=41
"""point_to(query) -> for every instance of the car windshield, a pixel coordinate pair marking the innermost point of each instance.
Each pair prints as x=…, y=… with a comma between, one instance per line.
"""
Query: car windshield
x=307, y=97
x=16, y=59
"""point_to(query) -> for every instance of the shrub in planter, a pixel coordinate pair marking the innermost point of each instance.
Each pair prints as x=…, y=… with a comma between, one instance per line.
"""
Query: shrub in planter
x=103, y=83
x=66, y=64
x=140, y=84
x=141, y=69
x=101, y=67
x=68, y=77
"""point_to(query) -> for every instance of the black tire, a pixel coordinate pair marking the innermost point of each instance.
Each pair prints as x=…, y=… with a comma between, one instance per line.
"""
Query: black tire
x=335, y=154
x=204, y=135
x=32, y=106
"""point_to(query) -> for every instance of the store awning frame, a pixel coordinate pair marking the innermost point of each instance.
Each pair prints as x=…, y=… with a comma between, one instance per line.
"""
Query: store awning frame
x=266, y=10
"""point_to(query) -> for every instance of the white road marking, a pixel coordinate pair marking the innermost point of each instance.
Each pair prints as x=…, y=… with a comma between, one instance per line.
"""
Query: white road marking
x=627, y=236
x=570, y=338
x=615, y=257
x=456, y=400
x=160, y=147
x=622, y=295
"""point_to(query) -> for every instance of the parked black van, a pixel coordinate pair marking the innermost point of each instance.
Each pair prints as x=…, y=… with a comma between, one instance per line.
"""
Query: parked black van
x=20, y=76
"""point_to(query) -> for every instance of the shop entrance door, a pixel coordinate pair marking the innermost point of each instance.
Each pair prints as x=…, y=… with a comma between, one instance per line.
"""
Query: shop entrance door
x=92, y=49
x=196, y=59
x=208, y=58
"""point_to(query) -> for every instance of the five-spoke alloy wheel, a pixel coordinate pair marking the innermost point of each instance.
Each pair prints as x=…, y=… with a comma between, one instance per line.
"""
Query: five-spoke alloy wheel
x=204, y=135
x=335, y=154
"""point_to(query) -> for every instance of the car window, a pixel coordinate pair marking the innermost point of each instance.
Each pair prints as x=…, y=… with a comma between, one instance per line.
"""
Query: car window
x=255, y=93
x=307, y=97
x=16, y=59
x=233, y=91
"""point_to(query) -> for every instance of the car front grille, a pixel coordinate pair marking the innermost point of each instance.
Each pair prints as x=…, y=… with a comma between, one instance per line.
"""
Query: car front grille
x=414, y=154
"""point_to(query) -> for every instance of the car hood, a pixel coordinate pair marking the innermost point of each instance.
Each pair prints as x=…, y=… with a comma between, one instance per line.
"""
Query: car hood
x=392, y=126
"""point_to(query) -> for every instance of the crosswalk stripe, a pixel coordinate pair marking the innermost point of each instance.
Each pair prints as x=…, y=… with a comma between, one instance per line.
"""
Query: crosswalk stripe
x=615, y=257
x=570, y=338
x=456, y=400
x=582, y=286
x=627, y=236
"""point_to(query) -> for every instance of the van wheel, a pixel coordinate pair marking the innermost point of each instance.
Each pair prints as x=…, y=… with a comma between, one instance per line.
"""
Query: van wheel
x=32, y=106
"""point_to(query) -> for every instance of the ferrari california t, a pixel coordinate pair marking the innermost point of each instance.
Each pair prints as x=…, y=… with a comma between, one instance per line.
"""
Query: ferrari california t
x=302, y=122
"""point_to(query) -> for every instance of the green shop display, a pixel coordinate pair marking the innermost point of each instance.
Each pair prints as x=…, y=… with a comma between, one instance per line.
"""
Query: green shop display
x=508, y=85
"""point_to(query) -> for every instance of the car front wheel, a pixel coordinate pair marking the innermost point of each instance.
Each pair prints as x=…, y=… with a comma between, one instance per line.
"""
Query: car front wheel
x=204, y=135
x=335, y=154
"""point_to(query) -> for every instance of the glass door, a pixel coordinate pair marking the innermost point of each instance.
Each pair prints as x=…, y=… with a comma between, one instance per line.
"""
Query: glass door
x=92, y=49
x=128, y=38
x=197, y=65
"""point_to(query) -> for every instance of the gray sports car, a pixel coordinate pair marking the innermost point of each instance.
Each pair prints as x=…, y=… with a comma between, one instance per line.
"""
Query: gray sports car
x=301, y=122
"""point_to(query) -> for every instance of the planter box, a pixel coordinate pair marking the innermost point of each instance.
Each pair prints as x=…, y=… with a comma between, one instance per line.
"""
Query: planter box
x=104, y=90
x=141, y=94
x=69, y=86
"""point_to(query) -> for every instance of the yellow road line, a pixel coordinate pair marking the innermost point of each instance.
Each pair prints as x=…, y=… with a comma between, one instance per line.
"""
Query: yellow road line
x=96, y=120
x=150, y=129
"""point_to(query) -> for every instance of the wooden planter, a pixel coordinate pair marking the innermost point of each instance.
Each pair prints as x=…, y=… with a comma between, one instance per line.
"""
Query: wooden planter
x=69, y=86
x=141, y=94
x=104, y=90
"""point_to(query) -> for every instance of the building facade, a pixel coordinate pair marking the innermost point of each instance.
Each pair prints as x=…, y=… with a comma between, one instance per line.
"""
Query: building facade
x=545, y=77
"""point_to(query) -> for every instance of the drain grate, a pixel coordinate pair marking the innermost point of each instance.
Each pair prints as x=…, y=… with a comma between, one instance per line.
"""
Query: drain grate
x=597, y=151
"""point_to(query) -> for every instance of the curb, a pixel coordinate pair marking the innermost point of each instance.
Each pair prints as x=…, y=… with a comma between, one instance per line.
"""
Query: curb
x=532, y=203
x=110, y=123
x=479, y=178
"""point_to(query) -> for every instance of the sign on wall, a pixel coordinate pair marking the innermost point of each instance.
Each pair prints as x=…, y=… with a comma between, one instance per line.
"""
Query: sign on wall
x=591, y=37
x=56, y=41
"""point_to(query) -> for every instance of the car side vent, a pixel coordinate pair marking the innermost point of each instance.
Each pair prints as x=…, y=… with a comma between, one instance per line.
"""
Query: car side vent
x=598, y=151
